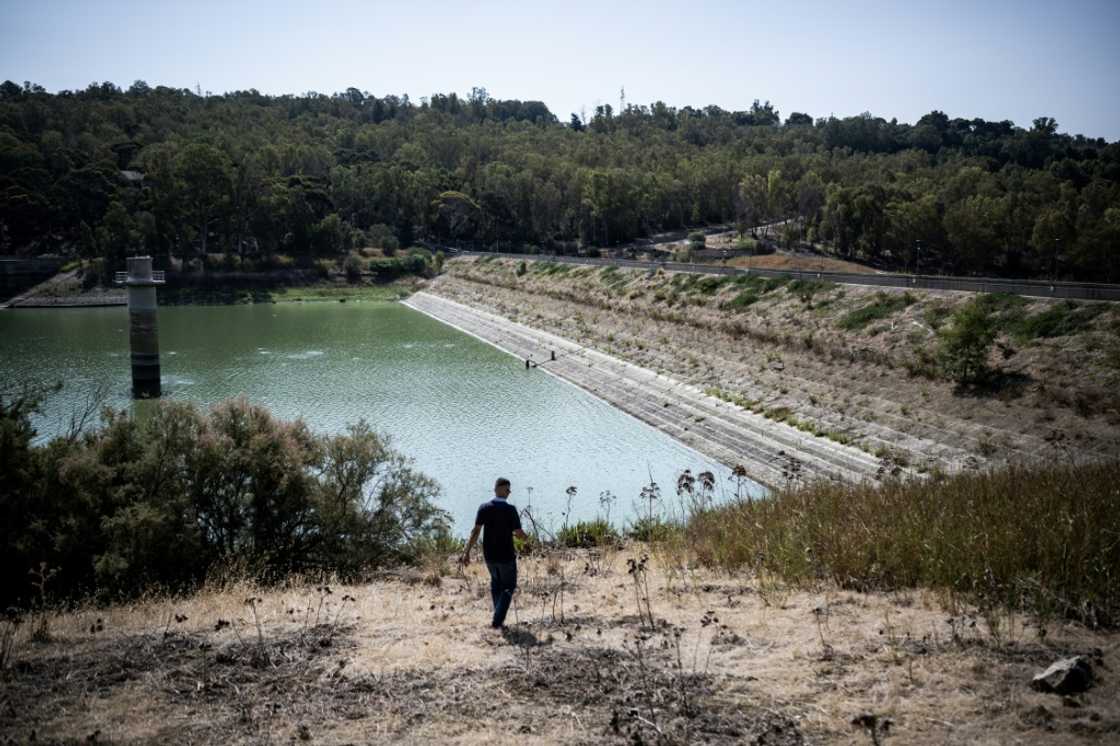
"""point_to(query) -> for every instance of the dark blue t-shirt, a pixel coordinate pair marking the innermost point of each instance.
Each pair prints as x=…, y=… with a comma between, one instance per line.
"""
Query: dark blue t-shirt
x=499, y=520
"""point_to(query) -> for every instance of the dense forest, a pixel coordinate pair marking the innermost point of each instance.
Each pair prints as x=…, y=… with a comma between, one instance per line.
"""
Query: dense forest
x=104, y=172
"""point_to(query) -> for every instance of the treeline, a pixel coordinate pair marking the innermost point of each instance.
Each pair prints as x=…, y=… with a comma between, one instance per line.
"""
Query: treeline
x=106, y=171
x=160, y=501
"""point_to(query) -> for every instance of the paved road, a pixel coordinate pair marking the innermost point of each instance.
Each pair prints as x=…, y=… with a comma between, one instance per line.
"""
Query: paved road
x=1029, y=288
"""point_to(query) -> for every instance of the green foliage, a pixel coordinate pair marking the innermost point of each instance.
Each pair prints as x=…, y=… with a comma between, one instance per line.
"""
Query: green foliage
x=708, y=285
x=744, y=243
x=160, y=500
x=742, y=300
x=754, y=288
x=1039, y=538
x=965, y=344
x=884, y=305
x=807, y=290
x=353, y=268
x=584, y=534
x=651, y=529
x=391, y=268
x=1058, y=320
x=316, y=175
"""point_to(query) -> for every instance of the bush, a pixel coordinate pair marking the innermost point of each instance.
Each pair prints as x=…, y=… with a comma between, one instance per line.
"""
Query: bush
x=586, y=534
x=807, y=290
x=1059, y=320
x=353, y=268
x=1040, y=538
x=744, y=243
x=160, y=500
x=650, y=529
x=385, y=270
x=882, y=306
x=383, y=237
x=965, y=345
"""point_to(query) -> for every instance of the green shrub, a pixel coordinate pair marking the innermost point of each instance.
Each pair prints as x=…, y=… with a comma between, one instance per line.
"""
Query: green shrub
x=1059, y=320
x=708, y=285
x=881, y=307
x=742, y=300
x=965, y=344
x=161, y=499
x=807, y=290
x=353, y=268
x=388, y=269
x=585, y=534
x=647, y=529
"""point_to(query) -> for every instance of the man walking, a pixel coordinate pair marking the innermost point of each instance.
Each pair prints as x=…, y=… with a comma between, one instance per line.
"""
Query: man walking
x=499, y=523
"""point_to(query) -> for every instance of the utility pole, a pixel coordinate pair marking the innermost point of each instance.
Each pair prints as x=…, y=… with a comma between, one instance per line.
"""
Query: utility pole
x=918, y=257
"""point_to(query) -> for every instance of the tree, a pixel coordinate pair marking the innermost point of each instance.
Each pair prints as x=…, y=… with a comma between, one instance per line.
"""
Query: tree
x=976, y=227
x=965, y=345
x=457, y=215
x=261, y=173
x=697, y=240
x=751, y=203
x=203, y=172
x=1052, y=231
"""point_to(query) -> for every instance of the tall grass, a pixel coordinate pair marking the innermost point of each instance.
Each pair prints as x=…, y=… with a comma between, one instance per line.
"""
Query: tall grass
x=1045, y=539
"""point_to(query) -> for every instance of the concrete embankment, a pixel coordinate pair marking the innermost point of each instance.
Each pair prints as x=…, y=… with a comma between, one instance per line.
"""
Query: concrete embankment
x=768, y=450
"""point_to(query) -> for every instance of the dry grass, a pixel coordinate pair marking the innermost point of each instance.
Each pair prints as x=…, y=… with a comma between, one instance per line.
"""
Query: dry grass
x=1040, y=540
x=407, y=661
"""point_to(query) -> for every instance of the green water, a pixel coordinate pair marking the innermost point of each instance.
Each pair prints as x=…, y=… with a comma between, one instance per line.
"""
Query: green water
x=465, y=411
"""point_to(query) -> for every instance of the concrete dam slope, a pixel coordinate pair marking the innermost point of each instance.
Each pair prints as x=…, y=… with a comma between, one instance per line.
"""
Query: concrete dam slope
x=766, y=449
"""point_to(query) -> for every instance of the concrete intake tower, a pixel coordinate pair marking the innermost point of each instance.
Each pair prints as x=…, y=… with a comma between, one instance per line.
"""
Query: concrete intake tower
x=143, y=334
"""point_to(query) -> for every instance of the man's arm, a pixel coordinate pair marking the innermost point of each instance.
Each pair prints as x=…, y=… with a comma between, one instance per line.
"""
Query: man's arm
x=466, y=558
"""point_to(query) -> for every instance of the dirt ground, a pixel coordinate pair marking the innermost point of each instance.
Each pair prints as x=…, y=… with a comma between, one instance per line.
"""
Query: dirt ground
x=788, y=355
x=409, y=658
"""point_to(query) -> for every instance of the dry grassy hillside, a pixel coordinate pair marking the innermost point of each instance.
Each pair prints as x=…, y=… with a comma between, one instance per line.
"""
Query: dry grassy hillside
x=858, y=365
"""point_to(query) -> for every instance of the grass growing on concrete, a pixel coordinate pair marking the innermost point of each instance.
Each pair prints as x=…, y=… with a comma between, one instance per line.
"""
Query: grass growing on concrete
x=1038, y=538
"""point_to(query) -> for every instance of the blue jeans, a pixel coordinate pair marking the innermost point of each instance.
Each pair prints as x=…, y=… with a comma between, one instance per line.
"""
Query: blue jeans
x=503, y=582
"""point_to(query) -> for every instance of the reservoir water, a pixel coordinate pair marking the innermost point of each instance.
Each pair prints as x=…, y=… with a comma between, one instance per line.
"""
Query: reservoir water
x=465, y=411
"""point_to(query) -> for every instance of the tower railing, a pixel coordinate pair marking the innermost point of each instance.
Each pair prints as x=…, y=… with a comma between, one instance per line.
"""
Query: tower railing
x=159, y=277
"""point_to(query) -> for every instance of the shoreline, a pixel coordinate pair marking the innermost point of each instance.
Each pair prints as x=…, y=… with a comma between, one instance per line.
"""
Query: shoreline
x=716, y=429
x=229, y=296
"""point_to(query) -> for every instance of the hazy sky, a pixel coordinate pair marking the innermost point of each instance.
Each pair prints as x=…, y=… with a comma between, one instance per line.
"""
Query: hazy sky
x=997, y=60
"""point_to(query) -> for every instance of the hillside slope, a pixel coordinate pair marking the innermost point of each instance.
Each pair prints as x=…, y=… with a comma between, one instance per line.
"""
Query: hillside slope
x=855, y=365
